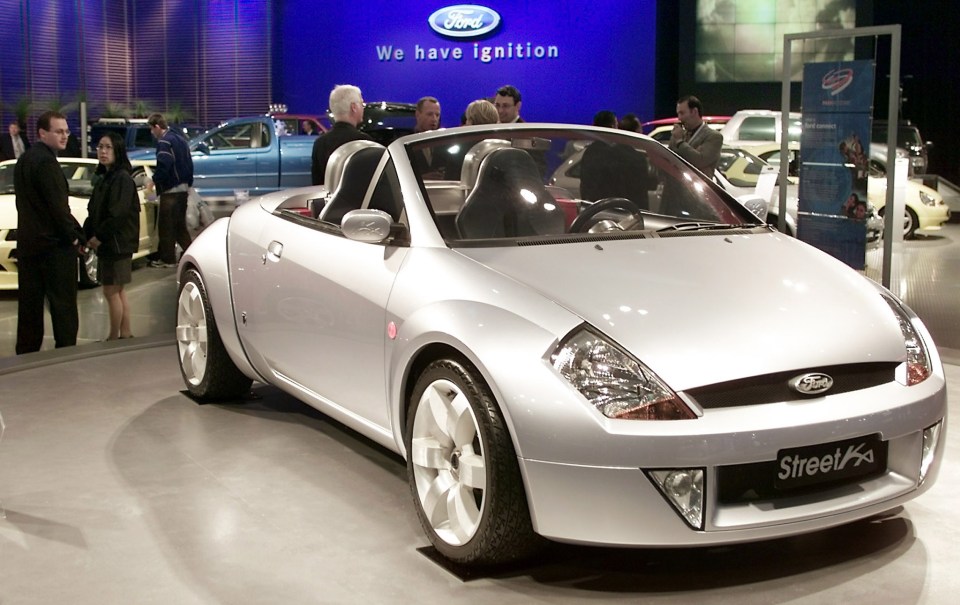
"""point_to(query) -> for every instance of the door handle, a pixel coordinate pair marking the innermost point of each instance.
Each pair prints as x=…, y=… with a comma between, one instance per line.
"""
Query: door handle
x=274, y=252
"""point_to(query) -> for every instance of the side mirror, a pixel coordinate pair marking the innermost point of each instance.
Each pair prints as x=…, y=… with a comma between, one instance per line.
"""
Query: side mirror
x=371, y=226
x=755, y=204
x=203, y=148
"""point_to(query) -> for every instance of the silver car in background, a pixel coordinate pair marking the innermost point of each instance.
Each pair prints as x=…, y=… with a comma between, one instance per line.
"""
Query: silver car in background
x=554, y=368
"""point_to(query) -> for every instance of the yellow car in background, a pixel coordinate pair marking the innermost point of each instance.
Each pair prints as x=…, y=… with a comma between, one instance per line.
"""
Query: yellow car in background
x=78, y=172
x=924, y=207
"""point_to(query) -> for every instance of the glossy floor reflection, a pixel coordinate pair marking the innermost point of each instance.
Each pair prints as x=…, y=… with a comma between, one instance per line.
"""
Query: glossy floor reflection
x=115, y=487
x=118, y=488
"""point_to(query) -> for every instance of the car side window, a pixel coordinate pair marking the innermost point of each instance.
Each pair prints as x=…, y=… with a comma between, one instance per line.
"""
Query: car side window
x=143, y=138
x=757, y=129
x=236, y=136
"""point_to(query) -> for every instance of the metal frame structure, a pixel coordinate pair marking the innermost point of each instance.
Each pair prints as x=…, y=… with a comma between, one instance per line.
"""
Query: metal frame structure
x=890, y=220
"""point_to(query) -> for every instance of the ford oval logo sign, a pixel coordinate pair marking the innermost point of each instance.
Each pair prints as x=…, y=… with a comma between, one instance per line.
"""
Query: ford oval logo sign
x=464, y=21
x=814, y=383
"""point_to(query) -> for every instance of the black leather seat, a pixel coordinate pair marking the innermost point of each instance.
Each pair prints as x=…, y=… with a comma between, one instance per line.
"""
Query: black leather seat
x=509, y=200
x=355, y=181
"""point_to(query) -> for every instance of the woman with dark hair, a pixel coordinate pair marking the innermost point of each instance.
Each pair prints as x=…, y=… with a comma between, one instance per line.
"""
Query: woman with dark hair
x=113, y=228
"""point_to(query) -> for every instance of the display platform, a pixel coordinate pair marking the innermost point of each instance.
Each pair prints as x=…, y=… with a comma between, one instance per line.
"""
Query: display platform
x=116, y=487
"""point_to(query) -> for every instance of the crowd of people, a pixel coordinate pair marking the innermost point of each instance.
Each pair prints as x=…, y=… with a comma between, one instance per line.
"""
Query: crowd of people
x=50, y=239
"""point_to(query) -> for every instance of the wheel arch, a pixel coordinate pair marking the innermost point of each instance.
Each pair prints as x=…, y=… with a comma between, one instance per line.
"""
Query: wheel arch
x=210, y=262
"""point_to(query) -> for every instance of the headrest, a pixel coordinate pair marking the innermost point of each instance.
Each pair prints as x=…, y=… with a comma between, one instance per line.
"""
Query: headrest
x=331, y=176
x=474, y=157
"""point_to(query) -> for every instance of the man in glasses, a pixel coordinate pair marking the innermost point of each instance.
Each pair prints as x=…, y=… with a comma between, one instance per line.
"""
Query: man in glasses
x=48, y=240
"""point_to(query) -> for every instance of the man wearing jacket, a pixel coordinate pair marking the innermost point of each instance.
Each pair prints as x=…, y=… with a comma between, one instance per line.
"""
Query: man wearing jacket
x=173, y=178
x=346, y=105
x=48, y=239
x=13, y=143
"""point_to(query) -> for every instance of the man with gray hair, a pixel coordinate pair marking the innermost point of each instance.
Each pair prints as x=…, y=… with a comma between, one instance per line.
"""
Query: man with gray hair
x=346, y=105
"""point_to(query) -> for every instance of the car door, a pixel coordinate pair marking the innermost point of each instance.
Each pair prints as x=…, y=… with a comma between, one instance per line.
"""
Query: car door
x=226, y=159
x=310, y=309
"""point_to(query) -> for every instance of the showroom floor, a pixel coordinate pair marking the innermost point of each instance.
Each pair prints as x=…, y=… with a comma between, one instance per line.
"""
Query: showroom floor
x=115, y=487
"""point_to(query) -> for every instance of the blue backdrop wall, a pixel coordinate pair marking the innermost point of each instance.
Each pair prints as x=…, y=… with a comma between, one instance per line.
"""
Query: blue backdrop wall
x=568, y=59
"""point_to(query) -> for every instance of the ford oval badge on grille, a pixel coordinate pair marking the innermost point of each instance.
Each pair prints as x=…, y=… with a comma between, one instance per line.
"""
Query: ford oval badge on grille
x=464, y=21
x=813, y=383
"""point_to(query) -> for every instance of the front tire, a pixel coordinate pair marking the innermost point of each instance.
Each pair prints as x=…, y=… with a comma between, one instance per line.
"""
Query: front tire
x=463, y=470
x=205, y=365
x=910, y=222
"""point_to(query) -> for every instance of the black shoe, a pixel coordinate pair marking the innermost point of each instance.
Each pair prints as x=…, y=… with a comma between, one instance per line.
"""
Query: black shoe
x=159, y=264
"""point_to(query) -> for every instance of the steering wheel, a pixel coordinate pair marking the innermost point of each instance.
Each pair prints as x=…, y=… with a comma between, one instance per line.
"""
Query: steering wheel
x=582, y=222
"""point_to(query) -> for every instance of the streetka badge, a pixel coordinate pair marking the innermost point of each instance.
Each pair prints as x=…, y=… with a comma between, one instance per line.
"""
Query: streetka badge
x=464, y=21
x=814, y=383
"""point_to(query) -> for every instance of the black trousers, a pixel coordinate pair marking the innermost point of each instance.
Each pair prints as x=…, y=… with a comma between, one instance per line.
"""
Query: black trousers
x=172, y=225
x=50, y=277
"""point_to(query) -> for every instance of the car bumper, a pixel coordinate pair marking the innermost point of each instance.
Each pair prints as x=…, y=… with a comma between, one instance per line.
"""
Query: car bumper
x=8, y=266
x=933, y=217
x=619, y=505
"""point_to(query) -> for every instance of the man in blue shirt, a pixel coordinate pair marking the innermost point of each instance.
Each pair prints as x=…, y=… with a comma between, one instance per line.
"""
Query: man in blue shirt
x=173, y=178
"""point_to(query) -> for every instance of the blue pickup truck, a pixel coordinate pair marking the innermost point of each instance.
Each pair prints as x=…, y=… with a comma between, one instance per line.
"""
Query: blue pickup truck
x=253, y=155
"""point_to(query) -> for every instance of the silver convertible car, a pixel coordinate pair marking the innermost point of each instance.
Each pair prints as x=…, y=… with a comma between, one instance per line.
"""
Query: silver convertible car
x=552, y=368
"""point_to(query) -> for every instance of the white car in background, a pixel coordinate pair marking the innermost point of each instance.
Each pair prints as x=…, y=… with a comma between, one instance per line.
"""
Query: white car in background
x=749, y=126
x=78, y=172
x=925, y=208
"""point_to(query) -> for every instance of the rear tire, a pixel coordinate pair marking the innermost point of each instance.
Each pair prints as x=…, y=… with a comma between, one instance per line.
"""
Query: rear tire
x=463, y=470
x=205, y=365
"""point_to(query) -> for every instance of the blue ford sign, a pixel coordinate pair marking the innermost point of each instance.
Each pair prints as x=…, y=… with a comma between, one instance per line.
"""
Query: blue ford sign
x=464, y=21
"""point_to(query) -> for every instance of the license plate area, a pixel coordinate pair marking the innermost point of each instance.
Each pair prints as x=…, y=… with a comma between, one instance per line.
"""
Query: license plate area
x=826, y=463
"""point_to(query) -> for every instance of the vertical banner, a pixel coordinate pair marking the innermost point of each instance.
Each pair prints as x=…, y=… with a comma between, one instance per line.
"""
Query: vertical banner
x=834, y=147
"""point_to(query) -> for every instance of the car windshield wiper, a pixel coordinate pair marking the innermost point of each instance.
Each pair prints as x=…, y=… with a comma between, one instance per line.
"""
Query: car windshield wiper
x=707, y=227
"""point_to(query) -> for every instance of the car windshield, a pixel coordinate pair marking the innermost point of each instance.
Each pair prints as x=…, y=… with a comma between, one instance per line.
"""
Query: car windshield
x=741, y=168
x=488, y=188
x=77, y=175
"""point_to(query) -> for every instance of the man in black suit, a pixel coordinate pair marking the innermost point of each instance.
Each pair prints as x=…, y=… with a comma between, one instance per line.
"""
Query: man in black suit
x=13, y=143
x=48, y=240
x=346, y=105
x=507, y=103
x=428, y=162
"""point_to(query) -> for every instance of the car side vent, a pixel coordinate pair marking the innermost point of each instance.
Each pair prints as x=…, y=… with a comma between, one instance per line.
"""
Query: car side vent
x=771, y=388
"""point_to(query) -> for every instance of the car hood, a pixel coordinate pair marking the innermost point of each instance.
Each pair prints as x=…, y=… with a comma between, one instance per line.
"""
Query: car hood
x=706, y=308
x=8, y=210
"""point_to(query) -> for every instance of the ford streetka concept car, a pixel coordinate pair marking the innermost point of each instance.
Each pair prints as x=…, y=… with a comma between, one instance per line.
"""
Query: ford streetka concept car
x=578, y=370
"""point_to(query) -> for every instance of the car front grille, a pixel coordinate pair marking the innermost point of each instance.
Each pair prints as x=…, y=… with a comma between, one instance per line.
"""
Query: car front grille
x=770, y=388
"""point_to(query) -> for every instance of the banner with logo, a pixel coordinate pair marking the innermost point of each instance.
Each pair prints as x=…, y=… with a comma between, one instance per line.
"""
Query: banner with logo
x=835, y=152
x=568, y=60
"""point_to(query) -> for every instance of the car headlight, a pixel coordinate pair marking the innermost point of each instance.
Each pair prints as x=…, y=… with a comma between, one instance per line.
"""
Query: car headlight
x=928, y=199
x=614, y=382
x=917, y=367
